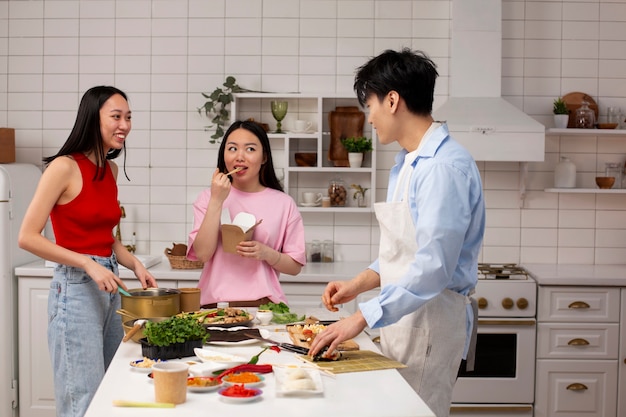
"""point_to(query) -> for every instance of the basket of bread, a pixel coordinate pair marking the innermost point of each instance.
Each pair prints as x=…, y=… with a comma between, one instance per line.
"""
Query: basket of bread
x=177, y=255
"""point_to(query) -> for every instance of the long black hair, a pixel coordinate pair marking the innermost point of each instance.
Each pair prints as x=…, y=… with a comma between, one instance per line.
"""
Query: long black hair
x=267, y=175
x=85, y=136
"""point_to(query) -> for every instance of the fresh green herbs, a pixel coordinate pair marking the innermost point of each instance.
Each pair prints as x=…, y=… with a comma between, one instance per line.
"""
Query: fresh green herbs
x=282, y=315
x=175, y=330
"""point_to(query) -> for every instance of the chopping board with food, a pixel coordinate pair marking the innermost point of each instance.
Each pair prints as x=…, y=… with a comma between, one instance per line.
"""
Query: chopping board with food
x=221, y=317
x=356, y=361
x=303, y=334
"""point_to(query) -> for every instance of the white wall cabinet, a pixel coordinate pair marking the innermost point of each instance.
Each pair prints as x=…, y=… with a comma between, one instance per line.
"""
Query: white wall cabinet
x=577, y=351
x=621, y=386
x=298, y=179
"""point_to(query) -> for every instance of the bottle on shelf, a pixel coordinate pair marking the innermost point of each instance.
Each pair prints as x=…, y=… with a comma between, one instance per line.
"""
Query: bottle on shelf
x=565, y=174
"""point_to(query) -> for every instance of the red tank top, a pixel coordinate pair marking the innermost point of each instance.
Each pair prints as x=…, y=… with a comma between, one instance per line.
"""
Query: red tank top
x=85, y=224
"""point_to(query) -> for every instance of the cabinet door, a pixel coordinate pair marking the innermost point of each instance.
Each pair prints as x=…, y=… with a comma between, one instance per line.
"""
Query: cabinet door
x=36, y=384
x=578, y=305
x=577, y=341
x=621, y=361
x=576, y=388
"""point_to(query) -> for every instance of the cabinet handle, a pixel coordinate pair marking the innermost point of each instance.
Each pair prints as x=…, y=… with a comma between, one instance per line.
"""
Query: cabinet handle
x=578, y=342
x=577, y=386
x=578, y=304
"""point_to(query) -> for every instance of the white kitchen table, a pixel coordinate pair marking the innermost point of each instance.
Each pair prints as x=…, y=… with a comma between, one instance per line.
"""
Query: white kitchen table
x=370, y=393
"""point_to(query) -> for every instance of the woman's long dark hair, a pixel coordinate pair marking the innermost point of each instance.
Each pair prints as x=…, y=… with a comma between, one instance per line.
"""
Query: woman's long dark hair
x=85, y=136
x=267, y=175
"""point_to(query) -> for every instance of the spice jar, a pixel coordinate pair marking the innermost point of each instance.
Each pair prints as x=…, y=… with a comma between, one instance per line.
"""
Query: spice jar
x=315, y=251
x=328, y=252
x=337, y=193
x=585, y=118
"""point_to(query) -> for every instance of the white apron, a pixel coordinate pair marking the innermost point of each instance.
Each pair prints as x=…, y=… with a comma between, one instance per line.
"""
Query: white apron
x=430, y=341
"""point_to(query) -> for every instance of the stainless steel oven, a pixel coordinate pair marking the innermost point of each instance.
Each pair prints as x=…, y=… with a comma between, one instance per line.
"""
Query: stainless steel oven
x=503, y=380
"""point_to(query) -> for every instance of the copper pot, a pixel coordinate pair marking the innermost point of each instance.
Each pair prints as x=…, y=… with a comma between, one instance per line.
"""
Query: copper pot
x=153, y=302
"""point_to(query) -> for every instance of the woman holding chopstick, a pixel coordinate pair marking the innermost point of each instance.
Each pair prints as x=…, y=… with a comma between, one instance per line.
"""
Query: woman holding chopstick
x=249, y=277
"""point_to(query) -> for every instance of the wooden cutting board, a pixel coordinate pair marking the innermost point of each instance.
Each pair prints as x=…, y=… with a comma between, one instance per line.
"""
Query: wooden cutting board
x=357, y=361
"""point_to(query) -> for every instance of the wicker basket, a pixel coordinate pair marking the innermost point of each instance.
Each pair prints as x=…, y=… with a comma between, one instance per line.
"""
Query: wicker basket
x=181, y=262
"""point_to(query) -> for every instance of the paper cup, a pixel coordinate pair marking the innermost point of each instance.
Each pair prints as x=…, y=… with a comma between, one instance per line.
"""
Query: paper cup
x=170, y=382
x=189, y=299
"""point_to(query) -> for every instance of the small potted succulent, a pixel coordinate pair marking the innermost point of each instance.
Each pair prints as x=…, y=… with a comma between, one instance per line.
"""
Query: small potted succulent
x=175, y=337
x=356, y=147
x=561, y=113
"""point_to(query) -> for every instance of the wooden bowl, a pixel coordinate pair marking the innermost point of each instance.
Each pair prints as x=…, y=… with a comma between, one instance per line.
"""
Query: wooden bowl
x=306, y=159
x=607, y=125
x=605, y=182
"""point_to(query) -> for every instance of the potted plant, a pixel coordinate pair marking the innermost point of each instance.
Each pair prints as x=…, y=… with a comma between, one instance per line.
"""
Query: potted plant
x=175, y=337
x=216, y=106
x=356, y=146
x=561, y=113
x=359, y=194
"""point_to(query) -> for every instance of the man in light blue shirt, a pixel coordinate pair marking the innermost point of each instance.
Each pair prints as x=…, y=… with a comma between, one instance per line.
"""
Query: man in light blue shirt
x=431, y=225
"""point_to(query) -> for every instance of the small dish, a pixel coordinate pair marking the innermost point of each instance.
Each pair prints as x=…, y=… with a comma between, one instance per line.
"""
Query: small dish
x=605, y=183
x=205, y=369
x=310, y=204
x=203, y=384
x=246, y=384
x=224, y=359
x=142, y=365
x=234, y=394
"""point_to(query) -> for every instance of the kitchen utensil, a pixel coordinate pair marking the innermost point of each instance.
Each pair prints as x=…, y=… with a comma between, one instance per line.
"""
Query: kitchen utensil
x=126, y=314
x=123, y=291
x=285, y=346
x=234, y=171
x=125, y=403
x=136, y=327
x=152, y=302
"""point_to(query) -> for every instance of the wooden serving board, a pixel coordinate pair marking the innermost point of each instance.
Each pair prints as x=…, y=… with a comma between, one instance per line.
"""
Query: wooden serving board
x=298, y=340
x=357, y=361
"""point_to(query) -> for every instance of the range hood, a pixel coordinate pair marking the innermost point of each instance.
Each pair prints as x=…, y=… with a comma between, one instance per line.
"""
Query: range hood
x=491, y=128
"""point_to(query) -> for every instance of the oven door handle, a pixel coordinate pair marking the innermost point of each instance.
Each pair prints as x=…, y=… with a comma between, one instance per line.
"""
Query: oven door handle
x=504, y=322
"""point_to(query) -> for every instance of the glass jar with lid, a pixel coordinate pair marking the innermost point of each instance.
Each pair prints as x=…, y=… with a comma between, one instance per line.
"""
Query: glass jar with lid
x=328, y=251
x=315, y=251
x=614, y=169
x=585, y=118
x=337, y=193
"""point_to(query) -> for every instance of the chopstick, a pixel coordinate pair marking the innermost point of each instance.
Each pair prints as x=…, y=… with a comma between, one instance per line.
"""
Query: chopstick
x=325, y=371
x=234, y=171
x=124, y=403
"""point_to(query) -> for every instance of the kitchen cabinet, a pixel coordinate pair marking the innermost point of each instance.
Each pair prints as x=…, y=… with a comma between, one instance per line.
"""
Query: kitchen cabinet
x=298, y=179
x=578, y=334
x=621, y=386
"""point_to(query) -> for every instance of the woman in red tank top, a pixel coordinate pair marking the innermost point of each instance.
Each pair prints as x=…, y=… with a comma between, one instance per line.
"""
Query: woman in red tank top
x=78, y=191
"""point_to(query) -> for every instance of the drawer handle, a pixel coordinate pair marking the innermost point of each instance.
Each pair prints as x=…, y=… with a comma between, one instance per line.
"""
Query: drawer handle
x=578, y=342
x=578, y=304
x=577, y=386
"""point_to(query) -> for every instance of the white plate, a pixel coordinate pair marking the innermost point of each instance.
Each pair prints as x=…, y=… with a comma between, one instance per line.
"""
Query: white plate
x=136, y=366
x=310, y=204
x=226, y=360
x=203, y=389
x=226, y=398
x=205, y=368
x=283, y=381
x=264, y=334
x=246, y=384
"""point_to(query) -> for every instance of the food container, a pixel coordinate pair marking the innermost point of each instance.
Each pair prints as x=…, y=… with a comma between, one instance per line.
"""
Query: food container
x=153, y=302
x=337, y=193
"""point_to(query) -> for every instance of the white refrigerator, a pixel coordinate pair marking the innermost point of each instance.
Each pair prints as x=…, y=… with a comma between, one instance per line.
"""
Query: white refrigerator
x=17, y=186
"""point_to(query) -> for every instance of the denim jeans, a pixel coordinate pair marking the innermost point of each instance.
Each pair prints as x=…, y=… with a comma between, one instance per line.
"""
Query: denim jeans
x=83, y=334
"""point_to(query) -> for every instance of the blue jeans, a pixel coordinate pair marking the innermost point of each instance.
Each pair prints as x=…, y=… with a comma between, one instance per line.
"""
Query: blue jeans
x=83, y=334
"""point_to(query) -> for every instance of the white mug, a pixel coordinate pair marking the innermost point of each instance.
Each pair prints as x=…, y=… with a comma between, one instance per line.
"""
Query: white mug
x=311, y=197
x=302, y=126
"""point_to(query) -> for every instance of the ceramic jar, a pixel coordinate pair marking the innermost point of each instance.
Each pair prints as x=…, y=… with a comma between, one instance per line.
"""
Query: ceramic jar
x=565, y=174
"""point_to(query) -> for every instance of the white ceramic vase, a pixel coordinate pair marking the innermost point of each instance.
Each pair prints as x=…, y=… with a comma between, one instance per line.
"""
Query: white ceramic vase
x=355, y=159
x=560, y=121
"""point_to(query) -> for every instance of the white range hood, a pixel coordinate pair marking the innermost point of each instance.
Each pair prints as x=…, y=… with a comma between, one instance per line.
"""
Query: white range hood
x=491, y=128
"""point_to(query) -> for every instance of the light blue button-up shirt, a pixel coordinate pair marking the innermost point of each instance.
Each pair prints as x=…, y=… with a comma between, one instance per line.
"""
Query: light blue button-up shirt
x=446, y=204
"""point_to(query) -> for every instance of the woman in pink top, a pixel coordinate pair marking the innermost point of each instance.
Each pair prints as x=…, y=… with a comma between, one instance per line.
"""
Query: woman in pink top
x=250, y=276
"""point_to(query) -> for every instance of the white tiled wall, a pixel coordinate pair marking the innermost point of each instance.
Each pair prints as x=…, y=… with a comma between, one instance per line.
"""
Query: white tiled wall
x=163, y=53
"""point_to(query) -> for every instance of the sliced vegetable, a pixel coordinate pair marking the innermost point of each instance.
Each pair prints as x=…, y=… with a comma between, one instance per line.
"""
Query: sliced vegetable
x=239, y=391
x=247, y=367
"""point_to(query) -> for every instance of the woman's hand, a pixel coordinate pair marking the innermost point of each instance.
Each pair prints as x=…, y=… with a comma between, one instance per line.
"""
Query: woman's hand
x=105, y=279
x=220, y=186
x=257, y=250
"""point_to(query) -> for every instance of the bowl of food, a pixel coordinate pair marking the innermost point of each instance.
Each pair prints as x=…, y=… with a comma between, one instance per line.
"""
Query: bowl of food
x=605, y=183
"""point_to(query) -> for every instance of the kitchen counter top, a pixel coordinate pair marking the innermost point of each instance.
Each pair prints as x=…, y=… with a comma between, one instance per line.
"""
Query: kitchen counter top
x=579, y=275
x=311, y=273
x=363, y=394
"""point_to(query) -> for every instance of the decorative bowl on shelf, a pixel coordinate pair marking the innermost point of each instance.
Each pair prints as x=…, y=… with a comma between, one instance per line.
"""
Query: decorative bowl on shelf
x=605, y=182
x=306, y=159
x=607, y=125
